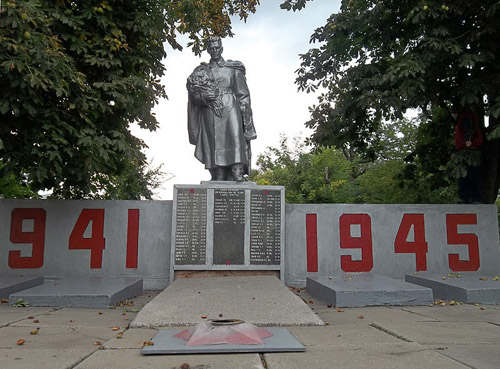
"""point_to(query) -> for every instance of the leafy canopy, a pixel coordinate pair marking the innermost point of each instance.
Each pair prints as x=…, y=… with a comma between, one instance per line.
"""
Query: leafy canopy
x=75, y=74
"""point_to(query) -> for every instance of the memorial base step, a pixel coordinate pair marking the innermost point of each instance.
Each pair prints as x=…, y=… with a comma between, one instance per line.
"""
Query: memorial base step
x=468, y=288
x=81, y=292
x=358, y=290
x=12, y=283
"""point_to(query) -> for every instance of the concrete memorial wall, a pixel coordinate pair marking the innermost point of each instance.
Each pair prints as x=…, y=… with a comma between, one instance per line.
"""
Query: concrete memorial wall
x=53, y=238
x=390, y=240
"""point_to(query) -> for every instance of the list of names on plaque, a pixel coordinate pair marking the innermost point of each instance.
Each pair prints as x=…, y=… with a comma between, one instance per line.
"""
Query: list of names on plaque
x=265, y=227
x=191, y=226
x=229, y=226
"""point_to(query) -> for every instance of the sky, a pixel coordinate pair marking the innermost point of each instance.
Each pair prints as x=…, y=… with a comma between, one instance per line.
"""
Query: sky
x=268, y=44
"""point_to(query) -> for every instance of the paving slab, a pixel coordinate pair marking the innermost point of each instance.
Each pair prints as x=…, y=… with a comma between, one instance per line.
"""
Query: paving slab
x=10, y=315
x=434, y=333
x=119, y=359
x=88, y=292
x=70, y=317
x=367, y=290
x=460, y=313
x=484, y=356
x=21, y=358
x=468, y=288
x=374, y=356
x=343, y=335
x=14, y=283
x=260, y=300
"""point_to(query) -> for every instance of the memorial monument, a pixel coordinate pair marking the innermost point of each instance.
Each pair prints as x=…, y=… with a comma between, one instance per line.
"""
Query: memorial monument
x=220, y=122
x=227, y=223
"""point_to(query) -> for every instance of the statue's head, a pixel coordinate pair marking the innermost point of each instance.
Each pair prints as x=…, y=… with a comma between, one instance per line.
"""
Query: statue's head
x=214, y=47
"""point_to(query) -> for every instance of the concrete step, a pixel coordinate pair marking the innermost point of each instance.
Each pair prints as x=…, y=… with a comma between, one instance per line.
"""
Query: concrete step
x=14, y=283
x=358, y=290
x=81, y=292
x=468, y=288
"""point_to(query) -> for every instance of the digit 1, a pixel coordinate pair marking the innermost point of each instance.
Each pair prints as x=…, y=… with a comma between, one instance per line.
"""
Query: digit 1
x=364, y=242
x=36, y=238
x=418, y=246
x=96, y=242
x=469, y=239
x=132, y=238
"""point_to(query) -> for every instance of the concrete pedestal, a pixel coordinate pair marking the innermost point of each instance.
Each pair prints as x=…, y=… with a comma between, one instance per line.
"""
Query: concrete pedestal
x=468, y=288
x=360, y=290
x=81, y=292
x=228, y=226
x=12, y=284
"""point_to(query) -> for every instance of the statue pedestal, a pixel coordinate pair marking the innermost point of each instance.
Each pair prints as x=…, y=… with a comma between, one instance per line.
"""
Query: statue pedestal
x=228, y=226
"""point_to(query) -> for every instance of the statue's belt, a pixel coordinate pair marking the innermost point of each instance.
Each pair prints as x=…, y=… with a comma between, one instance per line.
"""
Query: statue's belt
x=225, y=90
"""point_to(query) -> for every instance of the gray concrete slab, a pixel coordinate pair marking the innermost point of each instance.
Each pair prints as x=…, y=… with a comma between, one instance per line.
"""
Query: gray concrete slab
x=367, y=290
x=14, y=283
x=10, y=315
x=467, y=288
x=434, y=333
x=260, y=300
x=89, y=292
x=119, y=359
x=372, y=356
x=70, y=317
x=24, y=357
x=166, y=344
x=461, y=313
x=484, y=356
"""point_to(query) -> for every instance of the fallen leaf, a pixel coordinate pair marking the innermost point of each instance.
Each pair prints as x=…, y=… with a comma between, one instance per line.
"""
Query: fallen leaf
x=339, y=310
x=483, y=279
x=115, y=329
x=97, y=343
x=185, y=366
x=33, y=332
x=20, y=341
x=203, y=317
x=329, y=277
x=311, y=302
x=31, y=317
x=443, y=277
x=329, y=305
x=36, y=321
x=496, y=278
x=100, y=313
x=361, y=317
x=326, y=323
x=119, y=335
x=482, y=308
x=148, y=343
x=71, y=321
x=124, y=313
x=4, y=301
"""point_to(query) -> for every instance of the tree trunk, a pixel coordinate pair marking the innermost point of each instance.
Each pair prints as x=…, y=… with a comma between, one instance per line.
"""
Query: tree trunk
x=491, y=166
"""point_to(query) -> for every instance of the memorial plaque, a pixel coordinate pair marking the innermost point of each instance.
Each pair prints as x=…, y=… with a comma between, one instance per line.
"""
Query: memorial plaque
x=191, y=226
x=229, y=226
x=265, y=227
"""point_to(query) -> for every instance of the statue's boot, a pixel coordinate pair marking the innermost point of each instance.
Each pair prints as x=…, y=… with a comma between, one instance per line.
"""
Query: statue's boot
x=220, y=174
x=237, y=170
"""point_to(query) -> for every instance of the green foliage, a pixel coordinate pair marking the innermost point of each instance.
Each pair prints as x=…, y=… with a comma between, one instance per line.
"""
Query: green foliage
x=75, y=74
x=377, y=59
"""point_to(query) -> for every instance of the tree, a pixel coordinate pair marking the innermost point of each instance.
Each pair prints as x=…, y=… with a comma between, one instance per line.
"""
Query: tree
x=377, y=59
x=75, y=74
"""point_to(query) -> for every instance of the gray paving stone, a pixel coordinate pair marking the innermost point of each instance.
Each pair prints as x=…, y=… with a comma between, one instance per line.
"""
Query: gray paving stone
x=484, y=356
x=69, y=317
x=13, y=283
x=432, y=333
x=367, y=290
x=89, y=292
x=458, y=313
x=119, y=359
x=374, y=356
x=10, y=315
x=469, y=288
x=30, y=358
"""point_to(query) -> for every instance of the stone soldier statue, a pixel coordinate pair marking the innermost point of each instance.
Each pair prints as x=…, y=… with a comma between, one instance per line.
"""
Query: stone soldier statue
x=220, y=122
